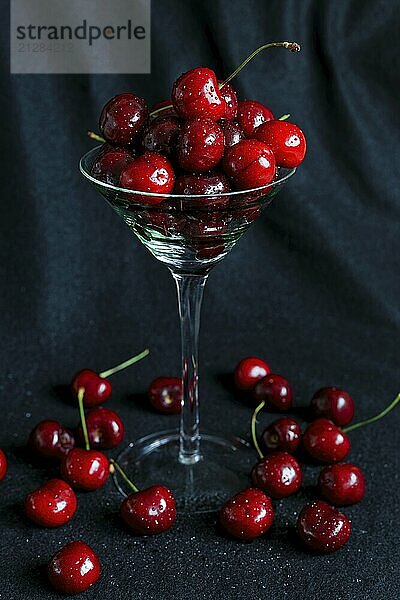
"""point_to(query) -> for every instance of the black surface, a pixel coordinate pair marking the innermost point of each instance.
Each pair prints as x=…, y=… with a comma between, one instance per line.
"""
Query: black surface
x=313, y=287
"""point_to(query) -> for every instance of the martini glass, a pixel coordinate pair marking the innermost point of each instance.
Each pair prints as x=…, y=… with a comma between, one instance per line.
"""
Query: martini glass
x=190, y=234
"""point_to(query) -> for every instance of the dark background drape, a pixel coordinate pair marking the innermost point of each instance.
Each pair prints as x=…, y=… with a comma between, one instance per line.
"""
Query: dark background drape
x=313, y=288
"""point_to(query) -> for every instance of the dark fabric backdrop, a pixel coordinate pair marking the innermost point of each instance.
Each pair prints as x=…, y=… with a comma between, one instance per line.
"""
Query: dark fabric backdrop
x=313, y=287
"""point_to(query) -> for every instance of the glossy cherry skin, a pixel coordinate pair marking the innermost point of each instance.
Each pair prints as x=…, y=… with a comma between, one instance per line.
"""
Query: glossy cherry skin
x=204, y=184
x=3, y=465
x=252, y=114
x=196, y=94
x=200, y=145
x=50, y=440
x=85, y=469
x=122, y=119
x=325, y=441
x=250, y=164
x=74, y=568
x=161, y=135
x=334, y=404
x=248, y=371
x=232, y=132
x=287, y=142
x=231, y=101
x=52, y=504
x=109, y=163
x=322, y=528
x=275, y=391
x=105, y=428
x=97, y=389
x=165, y=395
x=342, y=484
x=149, y=511
x=248, y=515
x=283, y=434
x=278, y=474
x=150, y=172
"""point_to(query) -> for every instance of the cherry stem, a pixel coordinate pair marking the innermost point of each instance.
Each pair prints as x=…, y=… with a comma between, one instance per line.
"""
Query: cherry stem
x=284, y=117
x=123, y=475
x=81, y=393
x=95, y=136
x=125, y=364
x=161, y=109
x=253, y=428
x=292, y=46
x=375, y=418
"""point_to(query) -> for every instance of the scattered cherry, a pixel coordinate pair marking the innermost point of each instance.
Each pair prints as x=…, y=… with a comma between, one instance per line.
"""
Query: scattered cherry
x=275, y=391
x=250, y=164
x=204, y=184
x=50, y=440
x=105, y=428
x=165, y=395
x=74, y=568
x=196, y=94
x=161, y=135
x=251, y=114
x=97, y=389
x=342, y=484
x=150, y=172
x=283, y=434
x=231, y=101
x=248, y=371
x=52, y=504
x=286, y=141
x=85, y=469
x=3, y=465
x=278, y=474
x=334, y=404
x=109, y=163
x=149, y=511
x=323, y=528
x=200, y=144
x=325, y=441
x=248, y=515
x=122, y=118
x=232, y=132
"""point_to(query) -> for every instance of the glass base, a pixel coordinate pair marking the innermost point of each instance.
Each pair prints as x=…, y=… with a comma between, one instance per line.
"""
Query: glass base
x=222, y=471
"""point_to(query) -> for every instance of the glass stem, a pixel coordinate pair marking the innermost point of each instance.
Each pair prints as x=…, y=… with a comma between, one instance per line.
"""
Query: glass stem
x=190, y=294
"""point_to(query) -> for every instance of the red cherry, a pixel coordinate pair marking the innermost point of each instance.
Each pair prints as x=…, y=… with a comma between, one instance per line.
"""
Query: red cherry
x=232, y=132
x=97, y=389
x=334, y=404
x=3, y=465
x=150, y=172
x=196, y=94
x=325, y=442
x=52, y=504
x=105, y=428
x=109, y=163
x=322, y=528
x=275, y=391
x=49, y=439
x=283, y=434
x=342, y=484
x=74, y=568
x=149, y=511
x=250, y=164
x=85, y=469
x=248, y=515
x=205, y=184
x=248, y=371
x=286, y=141
x=165, y=395
x=278, y=474
x=122, y=118
x=170, y=111
x=161, y=135
x=252, y=114
x=200, y=144
x=231, y=101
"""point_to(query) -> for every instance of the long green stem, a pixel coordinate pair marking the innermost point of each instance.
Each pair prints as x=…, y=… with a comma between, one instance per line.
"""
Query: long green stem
x=292, y=46
x=125, y=364
x=81, y=393
x=383, y=413
x=123, y=475
x=96, y=137
x=253, y=428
